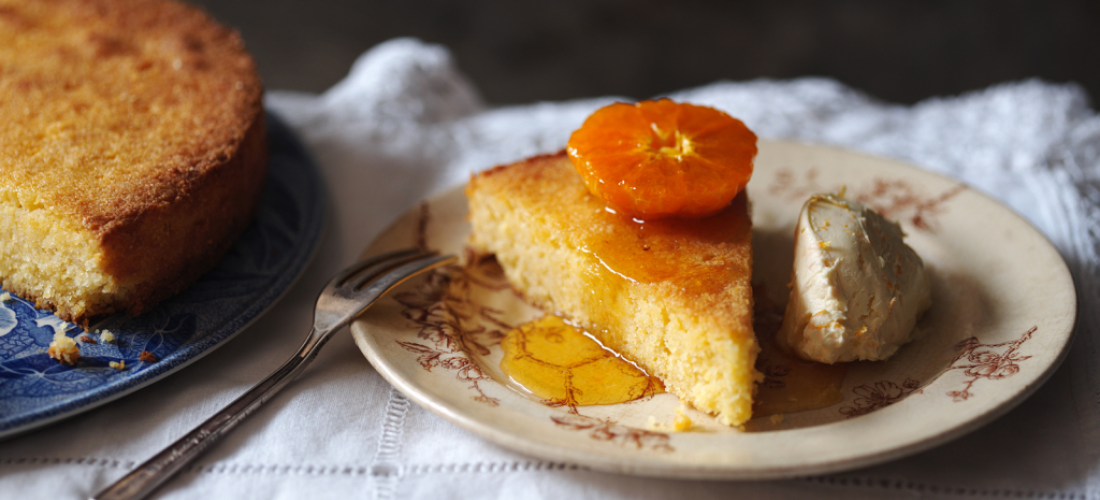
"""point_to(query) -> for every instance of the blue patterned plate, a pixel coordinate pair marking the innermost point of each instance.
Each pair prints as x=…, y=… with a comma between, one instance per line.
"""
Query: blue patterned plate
x=36, y=390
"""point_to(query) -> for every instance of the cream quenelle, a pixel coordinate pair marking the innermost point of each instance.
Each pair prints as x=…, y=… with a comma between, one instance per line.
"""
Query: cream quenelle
x=857, y=289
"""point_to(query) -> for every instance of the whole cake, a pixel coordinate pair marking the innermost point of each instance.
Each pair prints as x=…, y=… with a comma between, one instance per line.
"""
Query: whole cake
x=672, y=295
x=132, y=151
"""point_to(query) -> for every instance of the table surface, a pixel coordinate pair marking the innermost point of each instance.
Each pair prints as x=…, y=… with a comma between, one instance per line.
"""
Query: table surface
x=518, y=52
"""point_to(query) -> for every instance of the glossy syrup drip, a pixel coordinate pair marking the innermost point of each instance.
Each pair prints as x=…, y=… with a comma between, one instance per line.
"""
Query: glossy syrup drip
x=560, y=364
x=689, y=253
x=695, y=260
x=791, y=385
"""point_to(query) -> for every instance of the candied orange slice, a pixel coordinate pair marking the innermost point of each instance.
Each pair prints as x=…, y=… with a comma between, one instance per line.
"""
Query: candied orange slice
x=659, y=159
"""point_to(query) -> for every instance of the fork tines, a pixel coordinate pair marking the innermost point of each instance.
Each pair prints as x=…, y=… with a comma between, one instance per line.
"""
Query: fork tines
x=388, y=269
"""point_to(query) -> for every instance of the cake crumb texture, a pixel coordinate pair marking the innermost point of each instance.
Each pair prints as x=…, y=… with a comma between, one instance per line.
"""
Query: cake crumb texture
x=64, y=349
x=673, y=296
x=132, y=150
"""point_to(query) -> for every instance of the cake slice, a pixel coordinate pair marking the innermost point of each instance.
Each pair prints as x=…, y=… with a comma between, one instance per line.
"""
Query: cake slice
x=132, y=151
x=672, y=295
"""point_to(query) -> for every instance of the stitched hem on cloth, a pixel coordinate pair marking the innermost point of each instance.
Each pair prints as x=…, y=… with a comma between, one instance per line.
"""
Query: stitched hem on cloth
x=386, y=467
x=860, y=482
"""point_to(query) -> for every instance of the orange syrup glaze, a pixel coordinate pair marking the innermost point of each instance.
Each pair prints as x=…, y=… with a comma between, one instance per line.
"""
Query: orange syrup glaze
x=651, y=251
x=791, y=384
x=558, y=363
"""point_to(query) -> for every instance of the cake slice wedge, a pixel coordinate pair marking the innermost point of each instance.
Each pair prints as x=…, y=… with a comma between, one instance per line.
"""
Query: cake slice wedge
x=672, y=295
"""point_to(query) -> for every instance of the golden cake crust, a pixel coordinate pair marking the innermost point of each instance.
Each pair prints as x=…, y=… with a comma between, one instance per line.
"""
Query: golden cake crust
x=139, y=122
x=674, y=295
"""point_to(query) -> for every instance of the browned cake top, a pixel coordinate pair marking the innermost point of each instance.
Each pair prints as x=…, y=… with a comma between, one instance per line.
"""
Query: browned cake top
x=110, y=106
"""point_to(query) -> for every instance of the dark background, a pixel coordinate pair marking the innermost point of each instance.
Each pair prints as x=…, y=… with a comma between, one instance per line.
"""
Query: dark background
x=524, y=51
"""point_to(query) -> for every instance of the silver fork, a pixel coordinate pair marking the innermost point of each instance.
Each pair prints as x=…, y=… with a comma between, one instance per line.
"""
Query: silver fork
x=346, y=296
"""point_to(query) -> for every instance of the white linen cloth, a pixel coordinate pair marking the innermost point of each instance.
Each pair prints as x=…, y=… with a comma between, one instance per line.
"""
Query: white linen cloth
x=404, y=125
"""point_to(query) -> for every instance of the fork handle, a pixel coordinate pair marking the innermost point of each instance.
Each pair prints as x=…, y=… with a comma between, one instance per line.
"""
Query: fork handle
x=140, y=482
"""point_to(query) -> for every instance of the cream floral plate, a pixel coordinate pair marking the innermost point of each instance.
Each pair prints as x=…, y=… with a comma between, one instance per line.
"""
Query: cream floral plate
x=1002, y=319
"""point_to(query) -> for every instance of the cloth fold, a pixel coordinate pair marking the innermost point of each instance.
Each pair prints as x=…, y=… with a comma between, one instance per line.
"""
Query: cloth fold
x=405, y=124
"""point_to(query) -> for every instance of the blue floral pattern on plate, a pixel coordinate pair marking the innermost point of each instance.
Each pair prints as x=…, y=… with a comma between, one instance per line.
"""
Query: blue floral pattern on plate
x=36, y=390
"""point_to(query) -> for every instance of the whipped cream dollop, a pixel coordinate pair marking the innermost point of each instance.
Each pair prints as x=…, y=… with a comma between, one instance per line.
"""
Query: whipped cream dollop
x=857, y=289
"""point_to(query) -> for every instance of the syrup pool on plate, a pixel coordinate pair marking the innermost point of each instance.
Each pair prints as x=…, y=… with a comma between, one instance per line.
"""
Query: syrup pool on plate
x=563, y=366
x=559, y=364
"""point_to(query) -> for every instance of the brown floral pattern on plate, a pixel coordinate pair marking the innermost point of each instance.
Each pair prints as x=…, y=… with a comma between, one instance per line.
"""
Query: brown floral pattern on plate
x=605, y=430
x=894, y=199
x=871, y=397
x=980, y=361
x=452, y=324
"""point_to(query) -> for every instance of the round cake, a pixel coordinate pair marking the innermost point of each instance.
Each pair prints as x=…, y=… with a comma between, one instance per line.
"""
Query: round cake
x=132, y=151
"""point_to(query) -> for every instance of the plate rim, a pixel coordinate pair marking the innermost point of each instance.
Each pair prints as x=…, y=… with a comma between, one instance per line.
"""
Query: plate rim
x=664, y=469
